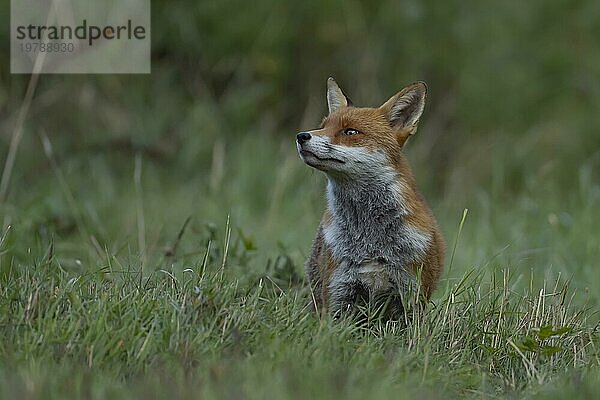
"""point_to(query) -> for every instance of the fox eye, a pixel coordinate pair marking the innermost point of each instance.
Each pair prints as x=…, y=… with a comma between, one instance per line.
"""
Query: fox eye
x=350, y=131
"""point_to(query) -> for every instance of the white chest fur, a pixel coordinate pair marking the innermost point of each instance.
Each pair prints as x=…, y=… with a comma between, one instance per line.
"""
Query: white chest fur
x=369, y=236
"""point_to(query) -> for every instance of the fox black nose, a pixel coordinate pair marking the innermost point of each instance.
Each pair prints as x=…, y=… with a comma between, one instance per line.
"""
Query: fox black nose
x=303, y=137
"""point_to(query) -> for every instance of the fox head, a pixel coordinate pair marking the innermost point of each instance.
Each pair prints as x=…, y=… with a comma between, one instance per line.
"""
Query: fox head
x=354, y=142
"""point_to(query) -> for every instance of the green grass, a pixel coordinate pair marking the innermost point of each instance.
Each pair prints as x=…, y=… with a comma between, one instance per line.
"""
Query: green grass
x=156, y=283
x=196, y=329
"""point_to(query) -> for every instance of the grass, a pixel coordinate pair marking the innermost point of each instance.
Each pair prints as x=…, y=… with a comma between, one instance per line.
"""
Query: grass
x=195, y=329
x=184, y=290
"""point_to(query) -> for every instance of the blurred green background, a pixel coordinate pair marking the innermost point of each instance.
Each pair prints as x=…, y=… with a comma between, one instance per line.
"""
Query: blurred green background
x=510, y=131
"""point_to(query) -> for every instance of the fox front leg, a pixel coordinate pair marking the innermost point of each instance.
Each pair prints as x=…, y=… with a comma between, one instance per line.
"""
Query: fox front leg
x=346, y=292
x=390, y=306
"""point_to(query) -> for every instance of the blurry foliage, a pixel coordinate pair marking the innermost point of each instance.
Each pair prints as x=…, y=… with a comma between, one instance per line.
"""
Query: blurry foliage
x=511, y=124
x=501, y=76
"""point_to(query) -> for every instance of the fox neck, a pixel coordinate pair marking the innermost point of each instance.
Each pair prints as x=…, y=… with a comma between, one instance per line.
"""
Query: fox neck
x=358, y=204
x=368, y=219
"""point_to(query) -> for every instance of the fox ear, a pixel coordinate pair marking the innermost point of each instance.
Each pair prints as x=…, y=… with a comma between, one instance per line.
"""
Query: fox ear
x=335, y=97
x=405, y=107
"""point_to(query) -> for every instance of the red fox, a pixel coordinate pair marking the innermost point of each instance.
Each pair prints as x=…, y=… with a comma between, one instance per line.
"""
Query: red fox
x=377, y=234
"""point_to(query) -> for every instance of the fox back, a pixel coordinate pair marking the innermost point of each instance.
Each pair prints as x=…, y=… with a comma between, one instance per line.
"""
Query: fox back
x=378, y=238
